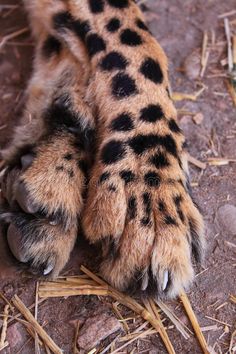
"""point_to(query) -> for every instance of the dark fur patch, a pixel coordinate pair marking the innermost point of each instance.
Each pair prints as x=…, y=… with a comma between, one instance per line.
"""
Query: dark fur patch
x=122, y=123
x=141, y=25
x=123, y=86
x=197, y=251
x=130, y=37
x=70, y=172
x=113, y=25
x=174, y=126
x=104, y=176
x=64, y=20
x=51, y=46
x=152, y=179
x=59, y=168
x=132, y=208
x=68, y=157
x=112, y=188
x=152, y=113
x=161, y=206
x=170, y=221
x=127, y=176
x=119, y=4
x=83, y=166
x=113, y=152
x=96, y=6
x=152, y=71
x=159, y=160
x=95, y=44
x=142, y=143
x=113, y=61
x=60, y=116
x=147, y=209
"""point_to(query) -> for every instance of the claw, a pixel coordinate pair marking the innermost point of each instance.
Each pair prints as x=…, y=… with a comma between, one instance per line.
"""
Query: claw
x=26, y=161
x=22, y=197
x=14, y=241
x=165, y=280
x=48, y=269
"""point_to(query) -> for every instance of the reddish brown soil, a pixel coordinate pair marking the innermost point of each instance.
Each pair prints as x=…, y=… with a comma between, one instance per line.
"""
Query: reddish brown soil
x=178, y=25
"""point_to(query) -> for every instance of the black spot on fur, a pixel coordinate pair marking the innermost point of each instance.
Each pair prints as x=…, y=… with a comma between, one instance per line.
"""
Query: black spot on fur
x=83, y=166
x=170, y=221
x=51, y=46
x=122, y=123
x=152, y=179
x=130, y=37
x=112, y=188
x=59, y=168
x=95, y=44
x=123, y=86
x=161, y=206
x=132, y=208
x=70, y=172
x=104, y=176
x=113, y=61
x=113, y=152
x=141, y=25
x=65, y=21
x=119, y=4
x=159, y=160
x=152, y=113
x=113, y=25
x=177, y=200
x=147, y=209
x=68, y=157
x=142, y=143
x=152, y=71
x=174, y=126
x=96, y=6
x=127, y=176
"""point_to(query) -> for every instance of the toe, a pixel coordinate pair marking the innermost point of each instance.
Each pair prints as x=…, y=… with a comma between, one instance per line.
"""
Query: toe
x=24, y=200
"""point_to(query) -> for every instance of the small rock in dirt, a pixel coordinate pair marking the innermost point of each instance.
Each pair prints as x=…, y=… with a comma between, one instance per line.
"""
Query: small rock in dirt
x=14, y=336
x=192, y=65
x=95, y=329
x=227, y=218
x=198, y=118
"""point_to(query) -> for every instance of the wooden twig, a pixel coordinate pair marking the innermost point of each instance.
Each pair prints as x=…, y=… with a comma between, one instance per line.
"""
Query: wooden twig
x=4, y=327
x=40, y=331
x=197, y=163
x=9, y=36
x=194, y=322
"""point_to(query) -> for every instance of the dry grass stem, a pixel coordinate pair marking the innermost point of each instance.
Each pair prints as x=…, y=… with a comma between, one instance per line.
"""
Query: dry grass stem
x=180, y=96
x=232, y=298
x=218, y=321
x=232, y=92
x=210, y=328
x=232, y=345
x=36, y=326
x=4, y=327
x=197, y=163
x=205, y=54
x=194, y=322
x=141, y=335
x=118, y=314
x=174, y=319
x=219, y=161
x=227, y=14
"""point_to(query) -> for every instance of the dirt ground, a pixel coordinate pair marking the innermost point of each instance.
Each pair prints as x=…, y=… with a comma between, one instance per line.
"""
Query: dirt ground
x=179, y=26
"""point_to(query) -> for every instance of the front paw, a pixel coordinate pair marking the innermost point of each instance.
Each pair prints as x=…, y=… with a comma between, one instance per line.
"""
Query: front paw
x=149, y=229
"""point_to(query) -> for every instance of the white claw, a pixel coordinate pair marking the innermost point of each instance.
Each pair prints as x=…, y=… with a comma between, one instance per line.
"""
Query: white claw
x=165, y=280
x=48, y=270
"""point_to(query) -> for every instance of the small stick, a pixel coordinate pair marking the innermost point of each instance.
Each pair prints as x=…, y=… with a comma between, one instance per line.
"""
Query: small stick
x=40, y=331
x=4, y=326
x=70, y=292
x=12, y=35
x=194, y=322
x=143, y=334
x=227, y=14
x=36, y=339
x=205, y=53
x=195, y=162
x=229, y=45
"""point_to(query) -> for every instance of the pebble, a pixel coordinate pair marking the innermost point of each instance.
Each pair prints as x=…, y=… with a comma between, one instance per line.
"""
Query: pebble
x=14, y=336
x=227, y=218
x=192, y=65
x=96, y=329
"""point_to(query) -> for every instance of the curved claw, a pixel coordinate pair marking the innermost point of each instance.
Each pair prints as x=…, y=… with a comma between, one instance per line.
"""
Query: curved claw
x=26, y=161
x=48, y=269
x=165, y=280
x=23, y=199
x=14, y=241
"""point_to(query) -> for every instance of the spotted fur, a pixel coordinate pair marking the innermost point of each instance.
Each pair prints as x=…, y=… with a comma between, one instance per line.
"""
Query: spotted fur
x=138, y=204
